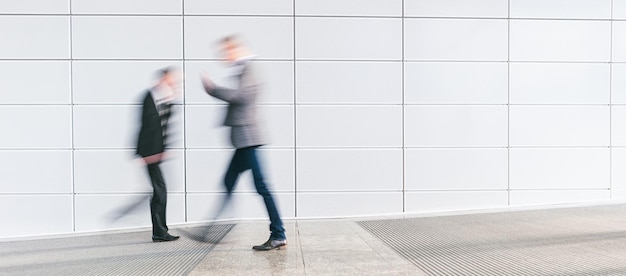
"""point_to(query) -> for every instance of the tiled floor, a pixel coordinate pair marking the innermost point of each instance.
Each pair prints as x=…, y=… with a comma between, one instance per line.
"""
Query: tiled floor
x=330, y=247
x=567, y=241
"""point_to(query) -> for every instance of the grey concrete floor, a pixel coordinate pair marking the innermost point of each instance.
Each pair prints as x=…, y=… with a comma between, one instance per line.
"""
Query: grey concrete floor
x=328, y=247
x=564, y=241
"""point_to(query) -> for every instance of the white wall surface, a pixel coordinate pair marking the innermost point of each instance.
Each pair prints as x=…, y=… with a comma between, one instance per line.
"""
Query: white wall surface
x=373, y=107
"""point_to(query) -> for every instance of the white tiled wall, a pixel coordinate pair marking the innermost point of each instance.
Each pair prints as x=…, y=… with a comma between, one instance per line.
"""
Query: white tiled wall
x=619, y=9
x=349, y=8
x=239, y=7
x=618, y=84
x=455, y=39
x=445, y=169
x=348, y=38
x=576, y=9
x=36, y=171
x=116, y=37
x=559, y=168
x=36, y=126
x=474, y=83
x=560, y=83
x=349, y=126
x=24, y=37
x=373, y=107
x=455, y=126
x=349, y=82
x=429, y=201
x=99, y=82
x=343, y=170
x=53, y=214
x=268, y=37
x=619, y=41
x=563, y=125
x=127, y=7
x=35, y=7
x=560, y=40
x=35, y=82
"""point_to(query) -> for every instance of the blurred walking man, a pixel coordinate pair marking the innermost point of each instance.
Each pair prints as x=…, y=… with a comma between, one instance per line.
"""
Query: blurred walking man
x=151, y=146
x=245, y=133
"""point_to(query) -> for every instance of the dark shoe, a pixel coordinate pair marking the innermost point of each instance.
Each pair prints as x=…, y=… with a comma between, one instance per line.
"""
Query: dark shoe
x=271, y=244
x=166, y=238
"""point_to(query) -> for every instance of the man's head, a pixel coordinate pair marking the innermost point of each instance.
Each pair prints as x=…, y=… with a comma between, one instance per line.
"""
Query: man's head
x=168, y=76
x=169, y=80
x=231, y=48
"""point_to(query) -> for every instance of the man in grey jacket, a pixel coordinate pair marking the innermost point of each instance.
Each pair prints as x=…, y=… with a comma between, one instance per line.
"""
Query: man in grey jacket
x=246, y=134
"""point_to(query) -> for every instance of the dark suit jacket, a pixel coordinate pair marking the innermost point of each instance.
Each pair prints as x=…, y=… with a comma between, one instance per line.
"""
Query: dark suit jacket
x=151, y=140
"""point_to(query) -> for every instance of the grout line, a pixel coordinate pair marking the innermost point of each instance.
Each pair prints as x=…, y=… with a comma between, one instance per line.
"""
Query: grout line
x=339, y=148
x=72, y=134
x=400, y=104
x=611, y=108
x=325, y=60
x=403, y=114
x=184, y=115
x=310, y=16
x=508, y=109
x=295, y=116
x=299, y=244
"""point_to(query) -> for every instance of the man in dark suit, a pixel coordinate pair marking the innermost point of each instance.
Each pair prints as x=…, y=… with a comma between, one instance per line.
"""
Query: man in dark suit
x=246, y=134
x=151, y=146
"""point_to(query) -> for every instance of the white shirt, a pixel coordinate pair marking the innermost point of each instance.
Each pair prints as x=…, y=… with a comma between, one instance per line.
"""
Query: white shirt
x=162, y=94
x=239, y=64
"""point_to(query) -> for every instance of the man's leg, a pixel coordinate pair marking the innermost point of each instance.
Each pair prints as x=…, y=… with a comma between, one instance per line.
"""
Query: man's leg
x=230, y=179
x=276, y=224
x=158, y=201
x=237, y=165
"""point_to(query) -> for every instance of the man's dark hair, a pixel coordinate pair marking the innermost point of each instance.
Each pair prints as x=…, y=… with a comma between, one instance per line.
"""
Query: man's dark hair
x=164, y=71
x=233, y=39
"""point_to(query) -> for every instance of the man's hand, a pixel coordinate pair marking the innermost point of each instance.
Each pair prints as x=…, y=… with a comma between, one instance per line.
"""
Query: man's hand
x=206, y=81
x=156, y=158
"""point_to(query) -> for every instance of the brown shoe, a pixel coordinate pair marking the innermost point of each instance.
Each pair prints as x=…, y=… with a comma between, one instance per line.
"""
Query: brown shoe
x=271, y=244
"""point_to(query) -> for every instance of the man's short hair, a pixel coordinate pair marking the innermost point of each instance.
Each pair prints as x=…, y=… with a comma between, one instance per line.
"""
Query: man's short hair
x=165, y=71
x=232, y=39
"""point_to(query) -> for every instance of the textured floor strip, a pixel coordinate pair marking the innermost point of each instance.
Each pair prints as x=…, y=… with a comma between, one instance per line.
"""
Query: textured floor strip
x=569, y=241
x=116, y=254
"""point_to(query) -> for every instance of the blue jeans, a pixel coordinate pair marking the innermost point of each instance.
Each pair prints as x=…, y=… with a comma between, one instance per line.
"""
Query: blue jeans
x=246, y=159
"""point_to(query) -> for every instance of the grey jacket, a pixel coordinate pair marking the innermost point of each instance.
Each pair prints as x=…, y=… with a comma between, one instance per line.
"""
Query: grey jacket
x=241, y=114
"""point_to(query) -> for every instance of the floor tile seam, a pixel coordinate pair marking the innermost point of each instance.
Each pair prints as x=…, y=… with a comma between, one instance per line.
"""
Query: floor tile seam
x=192, y=263
x=376, y=249
x=388, y=246
x=299, y=246
x=223, y=233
